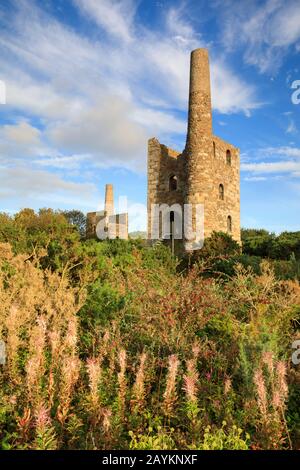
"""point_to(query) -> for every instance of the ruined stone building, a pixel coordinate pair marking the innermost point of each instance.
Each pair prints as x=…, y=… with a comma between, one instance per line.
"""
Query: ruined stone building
x=106, y=224
x=206, y=172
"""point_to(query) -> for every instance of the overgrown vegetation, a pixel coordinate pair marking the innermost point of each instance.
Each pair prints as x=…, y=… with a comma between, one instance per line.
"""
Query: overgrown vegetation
x=282, y=250
x=116, y=345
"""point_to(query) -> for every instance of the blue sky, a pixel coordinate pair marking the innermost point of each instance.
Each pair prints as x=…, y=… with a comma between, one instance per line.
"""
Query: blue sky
x=89, y=81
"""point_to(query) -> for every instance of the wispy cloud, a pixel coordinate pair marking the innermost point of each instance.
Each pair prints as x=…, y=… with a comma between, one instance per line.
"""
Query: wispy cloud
x=255, y=178
x=286, y=161
x=114, y=16
x=42, y=187
x=285, y=151
x=265, y=29
x=103, y=97
x=87, y=96
x=272, y=167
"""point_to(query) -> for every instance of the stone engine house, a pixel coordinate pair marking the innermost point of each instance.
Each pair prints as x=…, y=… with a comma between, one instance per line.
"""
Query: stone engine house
x=206, y=172
x=111, y=225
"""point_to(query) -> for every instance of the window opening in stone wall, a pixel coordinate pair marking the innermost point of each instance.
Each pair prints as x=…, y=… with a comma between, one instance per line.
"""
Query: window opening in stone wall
x=229, y=224
x=173, y=183
x=221, y=192
x=228, y=157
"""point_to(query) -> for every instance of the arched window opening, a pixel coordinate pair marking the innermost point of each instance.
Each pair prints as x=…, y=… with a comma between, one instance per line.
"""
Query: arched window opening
x=214, y=149
x=229, y=224
x=228, y=157
x=173, y=183
x=221, y=192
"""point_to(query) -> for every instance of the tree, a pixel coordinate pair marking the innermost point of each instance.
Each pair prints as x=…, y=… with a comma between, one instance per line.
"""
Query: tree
x=219, y=244
x=257, y=242
x=76, y=218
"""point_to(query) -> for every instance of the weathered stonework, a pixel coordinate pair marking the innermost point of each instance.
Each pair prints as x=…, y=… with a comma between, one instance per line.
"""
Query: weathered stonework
x=115, y=225
x=206, y=172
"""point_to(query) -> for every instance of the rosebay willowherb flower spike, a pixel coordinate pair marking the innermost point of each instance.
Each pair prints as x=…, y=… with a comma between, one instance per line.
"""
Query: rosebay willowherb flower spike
x=227, y=385
x=261, y=392
x=281, y=372
x=94, y=373
x=107, y=414
x=122, y=381
x=267, y=358
x=69, y=376
x=191, y=381
x=137, y=403
x=170, y=395
x=35, y=366
x=42, y=418
x=71, y=336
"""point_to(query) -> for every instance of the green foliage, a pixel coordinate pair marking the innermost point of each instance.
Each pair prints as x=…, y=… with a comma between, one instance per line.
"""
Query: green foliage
x=76, y=218
x=154, y=439
x=46, y=232
x=287, y=269
x=268, y=245
x=220, y=439
x=219, y=244
x=257, y=242
x=160, y=255
x=45, y=439
x=114, y=344
x=293, y=412
x=221, y=254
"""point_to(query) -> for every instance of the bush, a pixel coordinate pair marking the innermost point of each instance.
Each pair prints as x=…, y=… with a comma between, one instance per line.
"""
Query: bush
x=112, y=348
x=115, y=344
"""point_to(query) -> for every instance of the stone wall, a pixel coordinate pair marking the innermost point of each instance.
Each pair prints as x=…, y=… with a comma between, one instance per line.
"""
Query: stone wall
x=229, y=177
x=163, y=164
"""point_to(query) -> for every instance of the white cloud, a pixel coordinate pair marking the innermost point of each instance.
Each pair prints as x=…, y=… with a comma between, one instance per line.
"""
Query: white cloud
x=105, y=131
x=19, y=141
x=291, y=128
x=20, y=184
x=285, y=27
x=115, y=17
x=163, y=63
x=229, y=93
x=285, y=151
x=159, y=122
x=22, y=133
x=177, y=25
x=71, y=162
x=95, y=102
x=67, y=80
x=265, y=29
x=272, y=167
x=255, y=178
x=286, y=162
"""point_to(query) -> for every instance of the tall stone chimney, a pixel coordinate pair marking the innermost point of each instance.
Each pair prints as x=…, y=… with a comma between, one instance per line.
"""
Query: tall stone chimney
x=199, y=115
x=109, y=200
x=199, y=144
